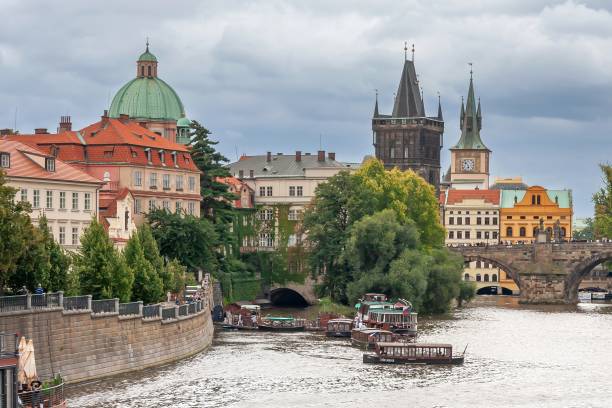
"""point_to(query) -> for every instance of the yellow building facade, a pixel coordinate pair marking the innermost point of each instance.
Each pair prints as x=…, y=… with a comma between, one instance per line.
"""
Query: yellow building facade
x=522, y=210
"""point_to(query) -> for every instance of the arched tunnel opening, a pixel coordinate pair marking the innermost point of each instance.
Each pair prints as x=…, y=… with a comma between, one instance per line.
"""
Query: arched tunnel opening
x=287, y=298
x=492, y=290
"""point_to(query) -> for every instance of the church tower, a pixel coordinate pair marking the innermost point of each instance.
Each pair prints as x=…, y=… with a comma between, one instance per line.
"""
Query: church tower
x=407, y=138
x=470, y=157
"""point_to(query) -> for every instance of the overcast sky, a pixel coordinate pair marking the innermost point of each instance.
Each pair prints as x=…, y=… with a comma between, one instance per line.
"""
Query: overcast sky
x=282, y=75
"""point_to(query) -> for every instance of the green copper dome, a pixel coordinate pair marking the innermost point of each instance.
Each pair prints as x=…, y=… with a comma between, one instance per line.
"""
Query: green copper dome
x=147, y=56
x=183, y=122
x=147, y=98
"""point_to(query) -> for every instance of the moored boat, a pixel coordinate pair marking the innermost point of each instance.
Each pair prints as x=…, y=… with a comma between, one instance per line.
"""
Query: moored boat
x=339, y=328
x=367, y=338
x=281, y=324
x=413, y=353
x=401, y=321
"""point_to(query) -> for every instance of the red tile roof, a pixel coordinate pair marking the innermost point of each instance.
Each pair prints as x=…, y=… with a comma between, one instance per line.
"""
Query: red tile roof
x=238, y=186
x=442, y=198
x=489, y=196
x=111, y=141
x=23, y=164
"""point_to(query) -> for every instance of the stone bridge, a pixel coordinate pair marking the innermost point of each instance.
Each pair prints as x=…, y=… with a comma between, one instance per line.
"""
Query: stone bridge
x=292, y=293
x=544, y=272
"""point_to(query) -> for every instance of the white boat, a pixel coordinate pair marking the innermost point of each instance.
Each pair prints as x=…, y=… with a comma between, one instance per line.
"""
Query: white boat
x=598, y=295
x=583, y=296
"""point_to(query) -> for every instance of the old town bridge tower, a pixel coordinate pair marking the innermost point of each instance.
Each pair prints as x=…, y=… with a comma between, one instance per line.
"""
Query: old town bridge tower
x=407, y=138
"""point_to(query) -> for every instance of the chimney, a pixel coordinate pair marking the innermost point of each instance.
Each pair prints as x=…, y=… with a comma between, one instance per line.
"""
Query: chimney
x=321, y=155
x=269, y=157
x=124, y=118
x=331, y=156
x=240, y=174
x=41, y=131
x=251, y=173
x=104, y=117
x=65, y=124
x=298, y=156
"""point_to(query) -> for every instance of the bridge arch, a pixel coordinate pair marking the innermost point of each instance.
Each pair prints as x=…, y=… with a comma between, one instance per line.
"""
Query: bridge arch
x=287, y=297
x=581, y=270
x=510, y=272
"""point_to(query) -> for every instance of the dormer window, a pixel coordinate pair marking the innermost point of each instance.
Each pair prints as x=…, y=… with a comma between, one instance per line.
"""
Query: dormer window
x=5, y=160
x=50, y=163
x=148, y=154
x=174, y=159
x=162, y=157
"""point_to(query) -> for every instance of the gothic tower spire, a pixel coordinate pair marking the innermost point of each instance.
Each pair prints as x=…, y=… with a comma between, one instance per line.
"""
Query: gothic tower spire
x=376, y=105
x=470, y=123
x=439, y=108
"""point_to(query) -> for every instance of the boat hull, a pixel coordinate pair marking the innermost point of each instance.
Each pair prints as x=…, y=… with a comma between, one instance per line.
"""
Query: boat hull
x=338, y=334
x=236, y=327
x=375, y=359
x=263, y=327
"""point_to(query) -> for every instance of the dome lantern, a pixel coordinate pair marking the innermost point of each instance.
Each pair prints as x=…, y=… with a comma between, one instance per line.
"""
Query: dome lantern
x=146, y=64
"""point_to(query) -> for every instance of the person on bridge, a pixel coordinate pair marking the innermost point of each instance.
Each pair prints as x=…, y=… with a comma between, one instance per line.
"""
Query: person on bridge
x=39, y=290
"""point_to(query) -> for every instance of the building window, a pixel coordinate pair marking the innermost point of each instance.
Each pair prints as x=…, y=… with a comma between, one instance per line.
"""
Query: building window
x=467, y=234
x=459, y=220
x=166, y=205
x=467, y=220
x=191, y=183
x=153, y=180
x=178, y=206
x=166, y=181
x=50, y=164
x=24, y=195
x=262, y=191
x=75, y=201
x=478, y=264
x=563, y=231
x=486, y=220
x=478, y=235
x=265, y=240
x=300, y=191
x=494, y=234
x=190, y=207
x=466, y=277
x=486, y=235
x=509, y=231
x=151, y=205
x=294, y=215
x=87, y=201
x=478, y=220
x=5, y=160
x=162, y=157
x=459, y=235
x=509, y=217
x=62, y=205
x=137, y=178
x=522, y=232
x=494, y=277
x=36, y=199
x=486, y=277
x=269, y=191
x=451, y=221
x=179, y=183
x=266, y=214
x=494, y=220
x=451, y=234
x=478, y=277
x=49, y=200
x=75, y=235
x=291, y=191
x=62, y=235
x=148, y=154
x=137, y=206
x=292, y=240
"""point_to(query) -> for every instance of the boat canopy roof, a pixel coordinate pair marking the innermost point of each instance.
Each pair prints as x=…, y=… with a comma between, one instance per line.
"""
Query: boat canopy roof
x=390, y=311
x=251, y=307
x=340, y=320
x=370, y=331
x=279, y=318
x=414, y=345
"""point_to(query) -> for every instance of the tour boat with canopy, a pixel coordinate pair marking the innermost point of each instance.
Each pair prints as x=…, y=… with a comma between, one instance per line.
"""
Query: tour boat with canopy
x=398, y=320
x=278, y=323
x=367, y=338
x=339, y=328
x=413, y=353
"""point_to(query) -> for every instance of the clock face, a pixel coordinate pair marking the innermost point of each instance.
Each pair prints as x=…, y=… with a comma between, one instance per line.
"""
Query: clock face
x=468, y=164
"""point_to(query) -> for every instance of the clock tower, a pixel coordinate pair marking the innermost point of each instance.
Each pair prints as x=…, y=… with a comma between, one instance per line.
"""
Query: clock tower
x=469, y=168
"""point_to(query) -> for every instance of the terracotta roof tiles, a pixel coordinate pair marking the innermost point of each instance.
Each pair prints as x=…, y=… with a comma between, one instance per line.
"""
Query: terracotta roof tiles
x=456, y=196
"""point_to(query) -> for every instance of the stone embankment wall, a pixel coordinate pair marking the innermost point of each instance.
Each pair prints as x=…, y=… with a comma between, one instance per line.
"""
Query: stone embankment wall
x=82, y=346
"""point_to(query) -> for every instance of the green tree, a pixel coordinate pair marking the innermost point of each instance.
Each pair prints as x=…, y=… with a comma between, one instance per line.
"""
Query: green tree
x=102, y=271
x=58, y=259
x=33, y=267
x=603, y=205
x=15, y=230
x=467, y=292
x=190, y=240
x=587, y=233
x=152, y=254
x=444, y=280
x=179, y=276
x=148, y=285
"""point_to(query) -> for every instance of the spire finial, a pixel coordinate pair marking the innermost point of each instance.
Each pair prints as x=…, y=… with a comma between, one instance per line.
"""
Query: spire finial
x=412, y=52
x=376, y=90
x=471, y=71
x=147, y=44
x=405, y=51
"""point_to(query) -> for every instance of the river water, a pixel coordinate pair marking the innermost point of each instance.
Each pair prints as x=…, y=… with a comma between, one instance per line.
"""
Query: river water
x=517, y=356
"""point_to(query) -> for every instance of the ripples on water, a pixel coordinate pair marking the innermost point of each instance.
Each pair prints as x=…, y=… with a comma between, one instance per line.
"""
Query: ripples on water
x=517, y=357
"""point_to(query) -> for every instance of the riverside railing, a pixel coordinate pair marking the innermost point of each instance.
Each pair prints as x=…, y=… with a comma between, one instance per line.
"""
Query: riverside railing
x=44, y=397
x=96, y=307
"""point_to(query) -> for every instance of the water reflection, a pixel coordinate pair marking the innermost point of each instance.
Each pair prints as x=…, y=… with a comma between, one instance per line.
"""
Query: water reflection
x=517, y=356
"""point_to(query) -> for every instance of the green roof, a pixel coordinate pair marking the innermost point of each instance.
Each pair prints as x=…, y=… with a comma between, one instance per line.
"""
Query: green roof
x=278, y=319
x=147, y=56
x=183, y=122
x=147, y=98
x=389, y=311
x=471, y=123
x=564, y=197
